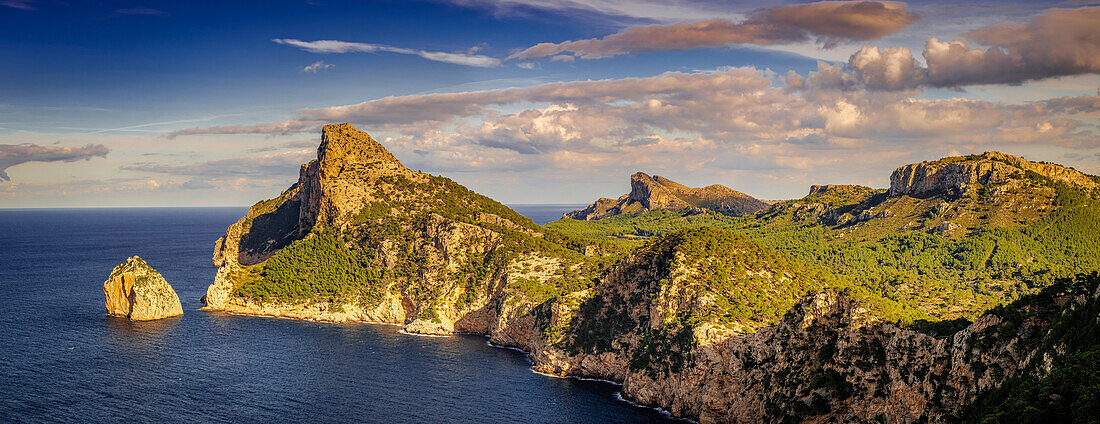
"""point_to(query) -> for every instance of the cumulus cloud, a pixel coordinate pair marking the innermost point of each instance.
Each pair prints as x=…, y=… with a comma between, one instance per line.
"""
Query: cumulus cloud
x=337, y=46
x=891, y=68
x=442, y=107
x=728, y=122
x=731, y=119
x=317, y=66
x=15, y=154
x=1059, y=42
x=828, y=22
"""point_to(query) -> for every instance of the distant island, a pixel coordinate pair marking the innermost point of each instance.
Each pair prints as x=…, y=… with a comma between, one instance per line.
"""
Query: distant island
x=965, y=291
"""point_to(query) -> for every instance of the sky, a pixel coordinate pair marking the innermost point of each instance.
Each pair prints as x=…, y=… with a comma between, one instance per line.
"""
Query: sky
x=130, y=103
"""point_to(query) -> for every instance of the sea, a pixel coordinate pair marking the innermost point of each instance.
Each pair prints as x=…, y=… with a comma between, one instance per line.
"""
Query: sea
x=62, y=359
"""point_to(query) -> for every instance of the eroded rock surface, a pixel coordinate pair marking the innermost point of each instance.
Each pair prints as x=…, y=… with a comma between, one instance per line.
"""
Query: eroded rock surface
x=655, y=192
x=704, y=323
x=136, y=291
x=957, y=176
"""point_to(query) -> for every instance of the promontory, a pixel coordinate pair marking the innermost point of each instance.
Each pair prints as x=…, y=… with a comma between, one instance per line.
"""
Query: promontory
x=949, y=297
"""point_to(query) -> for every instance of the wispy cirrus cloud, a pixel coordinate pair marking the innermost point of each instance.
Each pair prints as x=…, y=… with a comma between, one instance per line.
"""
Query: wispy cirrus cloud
x=279, y=164
x=337, y=46
x=19, y=4
x=649, y=10
x=828, y=22
x=15, y=154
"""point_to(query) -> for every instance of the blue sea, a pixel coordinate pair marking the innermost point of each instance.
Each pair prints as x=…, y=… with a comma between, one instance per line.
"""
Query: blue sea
x=63, y=360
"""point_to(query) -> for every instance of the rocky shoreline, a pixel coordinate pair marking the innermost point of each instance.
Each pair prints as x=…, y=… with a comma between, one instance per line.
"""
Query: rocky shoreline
x=447, y=261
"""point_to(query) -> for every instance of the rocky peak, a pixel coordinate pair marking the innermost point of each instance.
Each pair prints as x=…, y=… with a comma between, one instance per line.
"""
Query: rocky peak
x=330, y=191
x=655, y=192
x=956, y=176
x=336, y=184
x=342, y=144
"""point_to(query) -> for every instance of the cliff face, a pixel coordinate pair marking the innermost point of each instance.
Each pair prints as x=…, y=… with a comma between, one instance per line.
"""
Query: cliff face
x=330, y=191
x=956, y=177
x=703, y=322
x=939, y=196
x=675, y=342
x=650, y=193
x=830, y=361
x=136, y=291
x=429, y=253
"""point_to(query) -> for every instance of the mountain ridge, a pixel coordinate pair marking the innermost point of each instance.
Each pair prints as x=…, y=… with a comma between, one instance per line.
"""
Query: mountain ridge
x=699, y=321
x=655, y=192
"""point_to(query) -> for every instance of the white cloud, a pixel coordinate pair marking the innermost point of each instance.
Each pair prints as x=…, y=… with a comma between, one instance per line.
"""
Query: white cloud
x=15, y=154
x=652, y=10
x=337, y=46
x=829, y=22
x=19, y=4
x=317, y=66
x=726, y=121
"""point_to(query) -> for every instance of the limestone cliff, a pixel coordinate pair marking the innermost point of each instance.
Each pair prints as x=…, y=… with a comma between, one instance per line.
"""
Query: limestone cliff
x=136, y=291
x=705, y=323
x=942, y=197
x=959, y=175
x=830, y=358
x=424, y=251
x=650, y=193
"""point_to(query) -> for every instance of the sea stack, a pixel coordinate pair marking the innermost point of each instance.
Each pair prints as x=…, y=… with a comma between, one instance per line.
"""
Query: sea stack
x=137, y=291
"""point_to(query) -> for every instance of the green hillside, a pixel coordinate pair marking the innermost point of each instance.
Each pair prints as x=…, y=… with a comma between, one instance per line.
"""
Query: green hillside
x=1001, y=241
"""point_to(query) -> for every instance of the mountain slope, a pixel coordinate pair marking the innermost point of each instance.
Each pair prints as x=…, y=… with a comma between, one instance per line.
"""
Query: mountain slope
x=951, y=239
x=777, y=320
x=361, y=237
x=656, y=192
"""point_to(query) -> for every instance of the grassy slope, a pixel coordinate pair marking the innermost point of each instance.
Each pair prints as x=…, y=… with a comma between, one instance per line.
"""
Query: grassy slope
x=342, y=266
x=998, y=257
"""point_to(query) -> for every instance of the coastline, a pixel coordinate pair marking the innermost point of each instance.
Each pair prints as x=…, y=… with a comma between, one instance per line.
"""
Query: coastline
x=618, y=395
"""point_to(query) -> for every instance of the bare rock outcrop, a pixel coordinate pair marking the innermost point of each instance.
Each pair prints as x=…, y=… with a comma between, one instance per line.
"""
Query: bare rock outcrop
x=956, y=177
x=136, y=291
x=703, y=322
x=421, y=232
x=655, y=192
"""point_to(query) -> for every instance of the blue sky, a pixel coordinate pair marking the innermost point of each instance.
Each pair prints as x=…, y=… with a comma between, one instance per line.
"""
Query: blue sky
x=173, y=104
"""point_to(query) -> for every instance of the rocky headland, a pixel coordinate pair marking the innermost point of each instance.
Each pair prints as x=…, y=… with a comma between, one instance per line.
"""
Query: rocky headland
x=706, y=323
x=655, y=192
x=136, y=291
